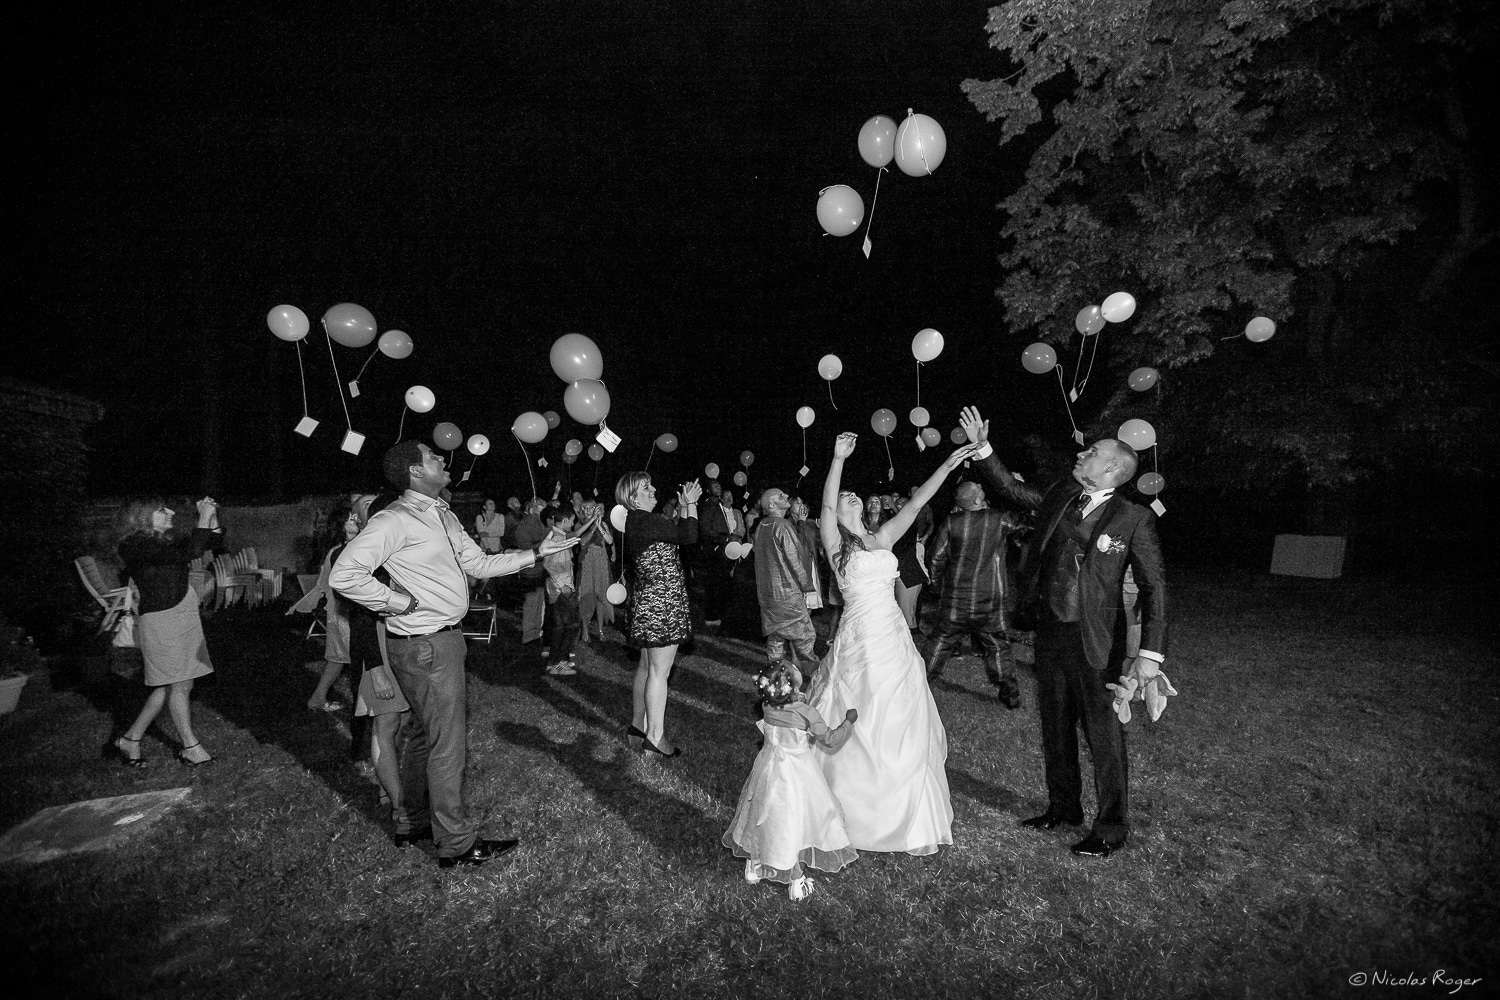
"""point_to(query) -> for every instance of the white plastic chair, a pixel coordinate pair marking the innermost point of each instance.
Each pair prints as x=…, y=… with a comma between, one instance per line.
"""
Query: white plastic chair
x=114, y=600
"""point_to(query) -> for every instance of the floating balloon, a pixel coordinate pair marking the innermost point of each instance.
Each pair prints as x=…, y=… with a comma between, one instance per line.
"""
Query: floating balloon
x=553, y=420
x=805, y=417
x=349, y=324
x=587, y=401
x=573, y=447
x=747, y=458
x=569, y=459
x=1137, y=433
x=530, y=427
x=420, y=398
x=596, y=452
x=287, y=322
x=732, y=550
x=883, y=422
x=931, y=437
x=957, y=435
x=447, y=436
x=920, y=145
x=919, y=416
x=830, y=367
x=667, y=442
x=1118, y=307
x=1260, y=329
x=926, y=345
x=740, y=479
x=616, y=593
x=1143, y=378
x=840, y=210
x=575, y=357
x=877, y=141
x=478, y=444
x=1089, y=320
x=394, y=344
x=711, y=470
x=1039, y=358
x=1151, y=483
x=617, y=516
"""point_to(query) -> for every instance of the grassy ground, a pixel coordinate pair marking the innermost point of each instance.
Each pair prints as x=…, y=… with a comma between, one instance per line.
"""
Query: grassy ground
x=1318, y=803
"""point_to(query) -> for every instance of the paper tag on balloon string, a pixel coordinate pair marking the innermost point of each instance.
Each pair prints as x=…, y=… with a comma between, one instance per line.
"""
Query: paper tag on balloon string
x=353, y=390
x=608, y=438
x=465, y=477
x=353, y=441
x=306, y=426
x=921, y=445
x=803, y=471
x=541, y=463
x=1078, y=436
x=890, y=474
x=866, y=247
x=1072, y=395
x=1159, y=507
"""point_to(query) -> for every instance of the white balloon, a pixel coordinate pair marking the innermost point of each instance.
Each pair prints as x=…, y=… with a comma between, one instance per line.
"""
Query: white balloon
x=805, y=417
x=1118, y=307
x=615, y=594
x=732, y=550
x=478, y=444
x=617, y=517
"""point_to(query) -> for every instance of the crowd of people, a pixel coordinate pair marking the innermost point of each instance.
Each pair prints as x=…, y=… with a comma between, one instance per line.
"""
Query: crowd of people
x=404, y=577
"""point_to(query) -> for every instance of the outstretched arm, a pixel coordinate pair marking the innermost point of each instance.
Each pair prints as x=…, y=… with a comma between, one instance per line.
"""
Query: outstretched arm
x=828, y=519
x=991, y=468
x=889, y=533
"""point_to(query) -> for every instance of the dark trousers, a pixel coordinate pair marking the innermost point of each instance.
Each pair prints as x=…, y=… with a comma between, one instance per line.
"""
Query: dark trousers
x=565, y=625
x=433, y=742
x=948, y=635
x=1070, y=692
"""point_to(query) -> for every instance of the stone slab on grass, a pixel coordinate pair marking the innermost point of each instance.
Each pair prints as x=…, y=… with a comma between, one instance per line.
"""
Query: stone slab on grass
x=95, y=825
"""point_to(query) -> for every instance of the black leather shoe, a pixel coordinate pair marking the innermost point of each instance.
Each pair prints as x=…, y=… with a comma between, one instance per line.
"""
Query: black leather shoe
x=481, y=851
x=1010, y=696
x=404, y=840
x=634, y=737
x=648, y=747
x=1049, y=820
x=1094, y=847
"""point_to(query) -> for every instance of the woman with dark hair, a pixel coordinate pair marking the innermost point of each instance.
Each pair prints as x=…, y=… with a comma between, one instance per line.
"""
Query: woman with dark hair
x=168, y=629
x=889, y=778
x=659, y=618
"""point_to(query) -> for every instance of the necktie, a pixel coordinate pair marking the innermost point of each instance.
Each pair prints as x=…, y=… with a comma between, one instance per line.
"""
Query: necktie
x=1080, y=505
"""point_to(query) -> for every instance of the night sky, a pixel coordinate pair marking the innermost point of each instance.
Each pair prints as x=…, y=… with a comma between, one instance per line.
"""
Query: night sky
x=646, y=174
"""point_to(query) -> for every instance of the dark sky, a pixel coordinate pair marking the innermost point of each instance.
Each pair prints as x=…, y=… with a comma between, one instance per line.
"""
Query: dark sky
x=646, y=174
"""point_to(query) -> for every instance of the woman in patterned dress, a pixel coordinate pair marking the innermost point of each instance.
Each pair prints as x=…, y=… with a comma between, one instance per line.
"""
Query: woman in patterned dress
x=659, y=619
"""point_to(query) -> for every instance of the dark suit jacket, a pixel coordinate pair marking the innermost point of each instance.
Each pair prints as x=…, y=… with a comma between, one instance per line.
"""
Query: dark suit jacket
x=1124, y=535
x=713, y=530
x=968, y=567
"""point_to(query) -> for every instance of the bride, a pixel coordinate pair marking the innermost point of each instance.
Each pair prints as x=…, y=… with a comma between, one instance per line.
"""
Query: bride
x=889, y=777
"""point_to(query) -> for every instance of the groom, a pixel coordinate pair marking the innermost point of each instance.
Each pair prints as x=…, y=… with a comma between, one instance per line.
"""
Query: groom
x=1072, y=576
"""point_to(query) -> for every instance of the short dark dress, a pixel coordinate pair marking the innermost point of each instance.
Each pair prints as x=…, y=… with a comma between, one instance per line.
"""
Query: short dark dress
x=659, y=608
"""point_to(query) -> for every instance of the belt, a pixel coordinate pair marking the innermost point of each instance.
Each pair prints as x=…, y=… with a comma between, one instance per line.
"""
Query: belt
x=424, y=635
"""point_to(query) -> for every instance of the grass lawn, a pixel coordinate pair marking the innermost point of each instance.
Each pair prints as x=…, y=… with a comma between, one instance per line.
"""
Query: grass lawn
x=1318, y=803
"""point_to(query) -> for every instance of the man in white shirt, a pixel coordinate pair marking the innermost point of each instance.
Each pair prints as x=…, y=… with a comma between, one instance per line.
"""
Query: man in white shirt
x=423, y=547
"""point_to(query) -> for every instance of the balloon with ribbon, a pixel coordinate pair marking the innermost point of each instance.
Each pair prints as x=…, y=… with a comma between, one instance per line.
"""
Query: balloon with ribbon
x=478, y=445
x=830, y=368
x=395, y=344
x=573, y=447
x=1089, y=321
x=1151, y=483
x=883, y=422
x=711, y=470
x=576, y=357
x=805, y=417
x=1039, y=358
x=287, y=322
x=877, y=141
x=667, y=442
x=616, y=593
x=419, y=399
x=920, y=145
x=447, y=436
x=932, y=437
x=1260, y=329
x=1118, y=307
x=747, y=458
x=1143, y=378
x=617, y=516
x=919, y=416
x=530, y=427
x=587, y=401
x=349, y=324
x=1137, y=433
x=732, y=549
x=596, y=452
x=840, y=210
x=740, y=479
x=926, y=345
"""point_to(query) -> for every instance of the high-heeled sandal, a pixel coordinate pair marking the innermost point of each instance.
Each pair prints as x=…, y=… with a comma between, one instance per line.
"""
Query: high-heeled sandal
x=634, y=737
x=116, y=749
x=188, y=761
x=648, y=747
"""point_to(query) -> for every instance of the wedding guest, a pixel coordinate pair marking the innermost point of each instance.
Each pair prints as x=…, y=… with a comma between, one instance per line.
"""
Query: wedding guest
x=528, y=535
x=594, y=576
x=336, y=619
x=513, y=515
x=783, y=583
x=722, y=524
x=168, y=628
x=562, y=594
x=489, y=528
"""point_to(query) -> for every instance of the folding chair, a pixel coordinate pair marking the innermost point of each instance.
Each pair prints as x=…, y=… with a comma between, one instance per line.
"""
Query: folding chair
x=271, y=576
x=482, y=623
x=114, y=600
x=312, y=596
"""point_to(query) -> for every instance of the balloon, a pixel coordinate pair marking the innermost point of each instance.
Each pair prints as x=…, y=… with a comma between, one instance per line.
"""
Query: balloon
x=883, y=422
x=926, y=345
x=394, y=344
x=740, y=479
x=667, y=442
x=957, y=435
x=447, y=436
x=877, y=141
x=732, y=550
x=478, y=444
x=530, y=427
x=569, y=459
x=287, y=322
x=349, y=324
x=596, y=452
x=553, y=420
x=1089, y=320
x=919, y=416
x=711, y=470
x=830, y=367
x=617, y=515
x=575, y=356
x=1137, y=433
x=1039, y=358
x=1260, y=329
x=931, y=437
x=747, y=458
x=840, y=210
x=920, y=145
x=1151, y=483
x=420, y=398
x=587, y=401
x=805, y=417
x=746, y=548
x=615, y=594
x=573, y=447
x=1143, y=378
x=1118, y=307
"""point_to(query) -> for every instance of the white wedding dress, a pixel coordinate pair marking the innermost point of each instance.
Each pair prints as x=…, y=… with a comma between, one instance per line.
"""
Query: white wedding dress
x=889, y=777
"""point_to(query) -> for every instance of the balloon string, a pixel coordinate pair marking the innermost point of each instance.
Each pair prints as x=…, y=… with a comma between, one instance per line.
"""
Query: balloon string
x=889, y=462
x=919, y=383
x=302, y=373
x=338, y=382
x=1064, y=391
x=366, y=364
x=402, y=426
x=830, y=395
x=648, y=456
x=870, y=222
x=804, y=451
x=527, y=458
x=1078, y=386
x=473, y=463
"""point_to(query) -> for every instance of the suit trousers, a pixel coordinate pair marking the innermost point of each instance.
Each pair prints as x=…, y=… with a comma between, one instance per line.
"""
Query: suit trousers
x=948, y=635
x=533, y=613
x=1069, y=692
x=433, y=742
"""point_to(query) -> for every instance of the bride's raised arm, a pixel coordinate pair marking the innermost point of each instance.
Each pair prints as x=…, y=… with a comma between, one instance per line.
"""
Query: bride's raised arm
x=828, y=516
x=889, y=533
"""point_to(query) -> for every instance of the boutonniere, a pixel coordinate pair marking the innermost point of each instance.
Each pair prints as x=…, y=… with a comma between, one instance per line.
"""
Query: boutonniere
x=1109, y=546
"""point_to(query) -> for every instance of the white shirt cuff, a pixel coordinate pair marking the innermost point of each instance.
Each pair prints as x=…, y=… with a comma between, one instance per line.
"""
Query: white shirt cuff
x=1151, y=655
x=985, y=451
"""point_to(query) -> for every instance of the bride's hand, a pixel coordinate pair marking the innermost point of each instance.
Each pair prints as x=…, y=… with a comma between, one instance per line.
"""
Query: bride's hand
x=843, y=446
x=960, y=454
x=690, y=493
